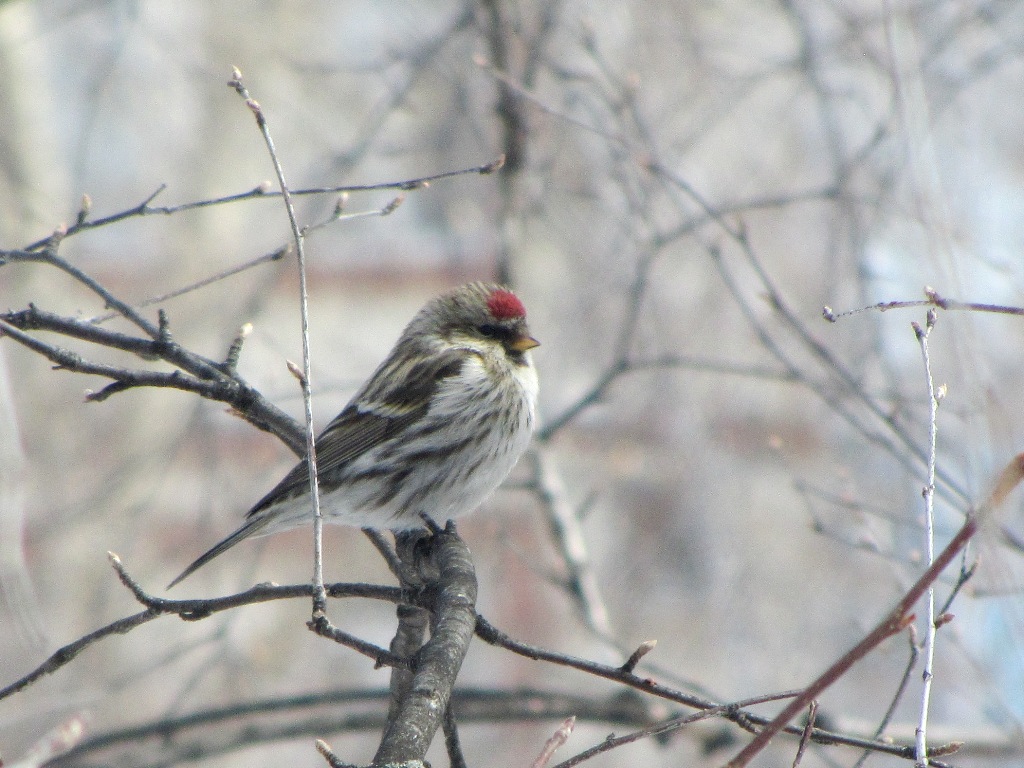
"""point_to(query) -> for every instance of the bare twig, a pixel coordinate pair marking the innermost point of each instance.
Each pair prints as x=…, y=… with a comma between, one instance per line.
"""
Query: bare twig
x=558, y=738
x=491, y=634
x=805, y=737
x=928, y=492
x=266, y=258
x=201, y=376
x=59, y=740
x=319, y=595
x=620, y=368
x=67, y=653
x=259, y=192
x=275, y=255
x=197, y=609
x=48, y=255
x=634, y=658
x=667, y=726
x=329, y=755
x=452, y=742
x=738, y=234
x=383, y=546
x=932, y=299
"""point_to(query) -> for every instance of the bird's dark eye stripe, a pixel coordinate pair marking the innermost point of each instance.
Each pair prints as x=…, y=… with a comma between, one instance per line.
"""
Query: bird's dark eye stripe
x=491, y=331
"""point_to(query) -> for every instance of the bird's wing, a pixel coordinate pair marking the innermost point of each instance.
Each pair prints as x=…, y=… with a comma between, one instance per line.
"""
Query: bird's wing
x=395, y=397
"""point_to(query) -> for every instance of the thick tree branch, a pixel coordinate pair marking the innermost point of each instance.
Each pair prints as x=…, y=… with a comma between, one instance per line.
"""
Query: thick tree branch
x=452, y=596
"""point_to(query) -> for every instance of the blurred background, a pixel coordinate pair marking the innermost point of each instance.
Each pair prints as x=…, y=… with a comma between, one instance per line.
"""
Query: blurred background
x=686, y=185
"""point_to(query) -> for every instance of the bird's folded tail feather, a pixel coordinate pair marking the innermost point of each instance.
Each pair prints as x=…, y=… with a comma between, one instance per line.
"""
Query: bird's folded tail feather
x=251, y=527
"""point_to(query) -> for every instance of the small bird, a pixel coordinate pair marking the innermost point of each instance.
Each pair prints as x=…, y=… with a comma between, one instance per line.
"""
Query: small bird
x=435, y=429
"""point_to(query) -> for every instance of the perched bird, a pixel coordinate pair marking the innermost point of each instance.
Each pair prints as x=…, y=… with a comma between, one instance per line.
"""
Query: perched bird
x=435, y=429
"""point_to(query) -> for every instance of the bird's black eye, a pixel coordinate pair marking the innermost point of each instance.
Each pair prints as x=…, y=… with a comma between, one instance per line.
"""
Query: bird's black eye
x=490, y=331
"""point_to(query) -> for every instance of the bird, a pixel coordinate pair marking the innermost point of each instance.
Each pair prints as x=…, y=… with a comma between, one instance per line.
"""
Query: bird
x=435, y=429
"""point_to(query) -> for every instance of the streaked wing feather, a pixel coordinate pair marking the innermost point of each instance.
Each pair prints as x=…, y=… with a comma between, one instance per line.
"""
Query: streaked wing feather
x=390, y=402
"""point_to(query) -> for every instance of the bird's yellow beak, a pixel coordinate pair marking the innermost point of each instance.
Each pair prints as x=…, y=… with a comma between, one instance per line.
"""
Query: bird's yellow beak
x=524, y=343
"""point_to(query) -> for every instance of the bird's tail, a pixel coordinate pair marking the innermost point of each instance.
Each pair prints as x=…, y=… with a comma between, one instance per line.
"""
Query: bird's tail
x=251, y=527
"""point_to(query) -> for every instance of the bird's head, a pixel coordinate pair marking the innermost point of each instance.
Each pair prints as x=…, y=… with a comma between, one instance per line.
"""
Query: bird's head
x=479, y=315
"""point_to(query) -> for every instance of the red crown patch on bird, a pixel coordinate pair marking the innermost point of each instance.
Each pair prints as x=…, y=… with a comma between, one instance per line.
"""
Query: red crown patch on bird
x=505, y=305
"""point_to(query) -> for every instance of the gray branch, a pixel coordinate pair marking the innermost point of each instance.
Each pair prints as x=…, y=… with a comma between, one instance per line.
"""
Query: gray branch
x=452, y=594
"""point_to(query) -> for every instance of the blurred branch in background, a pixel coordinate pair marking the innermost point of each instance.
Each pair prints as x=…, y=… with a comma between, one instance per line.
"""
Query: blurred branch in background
x=16, y=591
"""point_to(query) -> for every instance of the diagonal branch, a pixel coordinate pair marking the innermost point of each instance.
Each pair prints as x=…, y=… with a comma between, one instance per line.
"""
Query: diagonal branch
x=896, y=621
x=201, y=376
x=198, y=609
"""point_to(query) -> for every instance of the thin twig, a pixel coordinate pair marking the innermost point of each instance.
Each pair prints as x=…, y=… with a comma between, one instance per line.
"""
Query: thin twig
x=198, y=374
x=319, y=596
x=329, y=755
x=491, y=634
x=932, y=299
x=275, y=255
x=641, y=650
x=805, y=737
x=266, y=258
x=383, y=546
x=452, y=742
x=900, y=617
x=667, y=726
x=198, y=609
x=928, y=492
x=59, y=740
x=623, y=367
x=49, y=256
x=965, y=575
x=67, y=653
x=259, y=192
x=557, y=739
x=738, y=234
